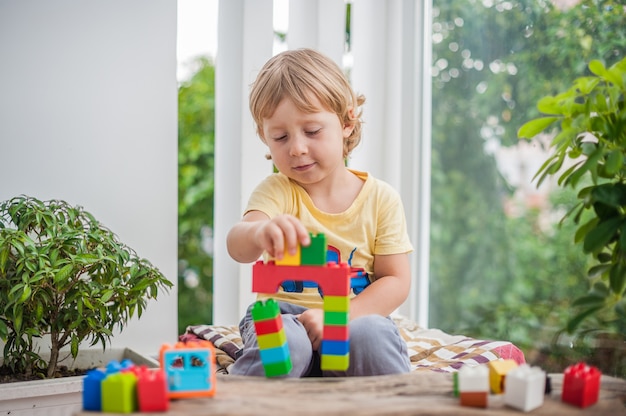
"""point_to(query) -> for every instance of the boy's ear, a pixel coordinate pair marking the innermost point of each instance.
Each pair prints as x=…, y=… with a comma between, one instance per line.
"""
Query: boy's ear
x=347, y=130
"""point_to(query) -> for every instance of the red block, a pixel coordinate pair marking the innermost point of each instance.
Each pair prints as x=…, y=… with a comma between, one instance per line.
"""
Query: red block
x=152, y=395
x=333, y=278
x=336, y=333
x=268, y=326
x=581, y=385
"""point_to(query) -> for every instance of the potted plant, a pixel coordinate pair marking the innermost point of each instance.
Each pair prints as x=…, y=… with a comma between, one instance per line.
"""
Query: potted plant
x=588, y=124
x=66, y=276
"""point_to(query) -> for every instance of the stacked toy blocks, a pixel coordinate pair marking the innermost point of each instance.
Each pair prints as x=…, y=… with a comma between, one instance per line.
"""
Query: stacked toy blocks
x=309, y=264
x=189, y=369
x=268, y=323
x=581, y=385
x=525, y=388
x=474, y=386
x=125, y=388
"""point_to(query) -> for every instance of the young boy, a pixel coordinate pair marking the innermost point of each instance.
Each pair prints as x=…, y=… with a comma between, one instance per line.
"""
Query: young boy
x=309, y=117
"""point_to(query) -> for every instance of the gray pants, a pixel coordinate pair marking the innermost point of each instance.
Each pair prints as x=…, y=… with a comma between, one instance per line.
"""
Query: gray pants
x=376, y=347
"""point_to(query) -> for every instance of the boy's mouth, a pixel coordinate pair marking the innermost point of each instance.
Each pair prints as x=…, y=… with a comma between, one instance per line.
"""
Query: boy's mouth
x=301, y=168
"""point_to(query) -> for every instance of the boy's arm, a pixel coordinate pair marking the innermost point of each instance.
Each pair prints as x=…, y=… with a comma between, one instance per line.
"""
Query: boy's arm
x=388, y=291
x=256, y=233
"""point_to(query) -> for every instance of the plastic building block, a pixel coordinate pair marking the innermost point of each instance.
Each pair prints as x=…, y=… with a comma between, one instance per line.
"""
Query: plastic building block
x=455, y=384
x=581, y=385
x=92, y=390
x=152, y=394
x=315, y=254
x=333, y=278
x=290, y=259
x=271, y=338
x=497, y=374
x=474, y=386
x=119, y=393
x=189, y=368
x=525, y=386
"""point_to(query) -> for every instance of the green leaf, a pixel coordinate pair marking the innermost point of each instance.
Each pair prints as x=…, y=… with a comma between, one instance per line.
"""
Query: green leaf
x=534, y=127
x=600, y=236
x=74, y=346
x=614, y=162
x=575, y=322
x=25, y=294
x=63, y=273
x=617, y=278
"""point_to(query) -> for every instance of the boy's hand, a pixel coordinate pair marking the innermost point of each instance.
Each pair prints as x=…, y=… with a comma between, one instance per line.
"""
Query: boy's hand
x=313, y=322
x=281, y=233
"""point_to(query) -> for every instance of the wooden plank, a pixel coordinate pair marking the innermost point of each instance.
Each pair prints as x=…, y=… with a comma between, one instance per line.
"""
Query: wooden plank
x=418, y=393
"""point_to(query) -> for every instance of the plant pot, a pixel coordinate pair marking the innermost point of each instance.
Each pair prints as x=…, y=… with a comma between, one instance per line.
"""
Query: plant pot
x=61, y=396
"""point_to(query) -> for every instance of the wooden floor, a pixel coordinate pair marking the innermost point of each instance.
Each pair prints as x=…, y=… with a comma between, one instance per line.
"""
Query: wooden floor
x=417, y=393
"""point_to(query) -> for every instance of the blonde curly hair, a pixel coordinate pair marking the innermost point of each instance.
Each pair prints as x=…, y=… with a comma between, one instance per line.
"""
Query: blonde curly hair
x=298, y=74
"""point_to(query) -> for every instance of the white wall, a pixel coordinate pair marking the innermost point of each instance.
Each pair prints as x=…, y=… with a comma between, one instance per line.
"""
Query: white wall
x=88, y=114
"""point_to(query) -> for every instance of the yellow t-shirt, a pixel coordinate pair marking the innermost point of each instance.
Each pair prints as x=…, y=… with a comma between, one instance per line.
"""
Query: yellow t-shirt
x=374, y=224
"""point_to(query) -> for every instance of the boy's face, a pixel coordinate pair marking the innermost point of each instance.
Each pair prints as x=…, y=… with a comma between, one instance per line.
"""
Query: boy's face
x=306, y=147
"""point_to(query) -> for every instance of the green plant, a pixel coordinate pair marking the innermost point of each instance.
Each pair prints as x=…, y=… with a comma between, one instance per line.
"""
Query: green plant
x=63, y=274
x=589, y=155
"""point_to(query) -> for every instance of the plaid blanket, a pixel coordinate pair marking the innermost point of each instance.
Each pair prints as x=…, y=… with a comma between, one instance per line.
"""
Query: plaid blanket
x=429, y=349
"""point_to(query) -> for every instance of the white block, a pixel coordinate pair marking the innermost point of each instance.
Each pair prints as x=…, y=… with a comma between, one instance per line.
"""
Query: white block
x=525, y=388
x=474, y=379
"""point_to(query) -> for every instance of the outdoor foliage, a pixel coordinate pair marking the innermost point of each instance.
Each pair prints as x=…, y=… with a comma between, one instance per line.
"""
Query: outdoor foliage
x=590, y=143
x=63, y=274
x=494, y=273
x=196, y=120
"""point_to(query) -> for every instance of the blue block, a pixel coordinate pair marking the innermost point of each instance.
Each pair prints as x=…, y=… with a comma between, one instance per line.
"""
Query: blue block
x=330, y=347
x=92, y=390
x=275, y=355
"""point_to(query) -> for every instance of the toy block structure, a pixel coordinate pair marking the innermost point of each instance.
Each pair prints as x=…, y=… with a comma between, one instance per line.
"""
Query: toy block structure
x=268, y=324
x=525, y=388
x=334, y=281
x=189, y=369
x=581, y=385
x=119, y=393
x=474, y=386
x=497, y=374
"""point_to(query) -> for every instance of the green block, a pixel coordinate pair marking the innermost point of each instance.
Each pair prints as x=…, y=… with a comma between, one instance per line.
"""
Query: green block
x=119, y=393
x=262, y=311
x=273, y=340
x=315, y=253
x=335, y=362
x=336, y=318
x=278, y=369
x=336, y=303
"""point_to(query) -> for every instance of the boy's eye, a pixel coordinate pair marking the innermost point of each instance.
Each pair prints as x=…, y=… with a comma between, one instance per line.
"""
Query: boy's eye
x=313, y=132
x=277, y=139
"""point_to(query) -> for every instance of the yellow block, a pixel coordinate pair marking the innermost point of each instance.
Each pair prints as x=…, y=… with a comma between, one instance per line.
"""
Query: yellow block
x=291, y=259
x=497, y=374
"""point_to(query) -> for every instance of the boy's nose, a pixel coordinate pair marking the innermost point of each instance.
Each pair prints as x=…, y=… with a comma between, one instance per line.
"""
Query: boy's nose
x=298, y=146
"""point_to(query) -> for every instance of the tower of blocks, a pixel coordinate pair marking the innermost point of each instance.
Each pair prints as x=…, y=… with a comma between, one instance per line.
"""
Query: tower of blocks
x=309, y=265
x=525, y=388
x=189, y=369
x=268, y=324
x=581, y=385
